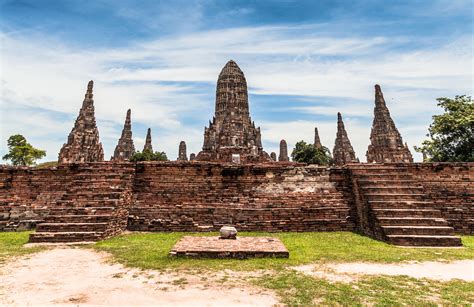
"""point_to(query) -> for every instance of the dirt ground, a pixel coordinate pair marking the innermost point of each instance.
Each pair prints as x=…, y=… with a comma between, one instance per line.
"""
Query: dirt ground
x=68, y=275
x=348, y=272
x=79, y=276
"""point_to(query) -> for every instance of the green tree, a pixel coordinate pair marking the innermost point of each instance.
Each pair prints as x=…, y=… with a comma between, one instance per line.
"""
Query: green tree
x=307, y=153
x=451, y=135
x=148, y=155
x=21, y=152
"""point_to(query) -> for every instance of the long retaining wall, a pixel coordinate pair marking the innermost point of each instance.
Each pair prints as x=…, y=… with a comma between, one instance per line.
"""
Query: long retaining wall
x=200, y=196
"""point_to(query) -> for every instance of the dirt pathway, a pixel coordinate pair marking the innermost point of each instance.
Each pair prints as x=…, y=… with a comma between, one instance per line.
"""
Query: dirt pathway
x=347, y=272
x=83, y=277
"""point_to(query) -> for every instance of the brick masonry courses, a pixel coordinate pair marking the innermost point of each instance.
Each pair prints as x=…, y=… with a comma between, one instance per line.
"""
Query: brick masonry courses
x=90, y=201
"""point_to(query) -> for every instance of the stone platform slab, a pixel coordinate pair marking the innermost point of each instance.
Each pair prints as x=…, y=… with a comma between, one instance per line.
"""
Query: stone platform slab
x=242, y=247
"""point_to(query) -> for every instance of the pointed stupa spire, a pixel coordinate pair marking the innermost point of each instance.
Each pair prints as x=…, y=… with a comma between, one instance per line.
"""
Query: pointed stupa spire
x=125, y=147
x=317, y=141
x=83, y=143
x=283, y=151
x=232, y=126
x=182, y=155
x=386, y=144
x=148, y=145
x=343, y=152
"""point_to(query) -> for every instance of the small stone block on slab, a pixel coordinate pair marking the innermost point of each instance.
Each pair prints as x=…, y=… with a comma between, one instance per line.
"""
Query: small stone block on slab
x=240, y=248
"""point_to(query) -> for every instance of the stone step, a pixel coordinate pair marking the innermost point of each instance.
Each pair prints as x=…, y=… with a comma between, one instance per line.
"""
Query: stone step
x=419, y=230
x=62, y=237
x=386, y=181
x=418, y=221
x=394, y=196
x=400, y=204
x=427, y=213
x=392, y=190
x=80, y=210
x=95, y=218
x=71, y=227
x=385, y=176
x=417, y=240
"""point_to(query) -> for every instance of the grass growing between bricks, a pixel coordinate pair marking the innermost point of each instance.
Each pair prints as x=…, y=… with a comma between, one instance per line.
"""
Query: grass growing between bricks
x=11, y=245
x=150, y=251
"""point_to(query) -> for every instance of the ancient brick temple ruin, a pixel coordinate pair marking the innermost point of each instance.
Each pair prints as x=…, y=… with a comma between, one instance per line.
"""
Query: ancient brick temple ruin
x=283, y=156
x=125, y=148
x=232, y=132
x=317, y=140
x=343, y=153
x=182, y=156
x=390, y=199
x=83, y=142
x=386, y=144
x=148, y=145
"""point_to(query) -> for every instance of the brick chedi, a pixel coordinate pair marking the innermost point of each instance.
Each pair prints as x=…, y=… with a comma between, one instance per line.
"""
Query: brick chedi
x=317, y=140
x=83, y=142
x=343, y=152
x=125, y=148
x=148, y=145
x=273, y=155
x=283, y=151
x=182, y=156
x=232, y=131
x=386, y=144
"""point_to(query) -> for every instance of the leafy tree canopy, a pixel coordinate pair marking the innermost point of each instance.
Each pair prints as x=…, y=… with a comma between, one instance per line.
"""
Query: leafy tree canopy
x=451, y=135
x=148, y=155
x=21, y=152
x=307, y=153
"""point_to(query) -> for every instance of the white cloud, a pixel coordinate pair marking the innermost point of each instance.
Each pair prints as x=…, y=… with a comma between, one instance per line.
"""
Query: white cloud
x=283, y=60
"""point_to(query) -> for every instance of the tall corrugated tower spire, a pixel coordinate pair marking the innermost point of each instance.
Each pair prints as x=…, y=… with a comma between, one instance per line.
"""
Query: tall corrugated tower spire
x=231, y=131
x=125, y=147
x=148, y=145
x=83, y=143
x=386, y=144
x=343, y=152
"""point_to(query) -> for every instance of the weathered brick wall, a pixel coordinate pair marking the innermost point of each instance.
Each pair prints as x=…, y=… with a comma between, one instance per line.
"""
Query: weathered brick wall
x=25, y=195
x=269, y=197
x=448, y=187
x=199, y=196
x=451, y=189
x=28, y=195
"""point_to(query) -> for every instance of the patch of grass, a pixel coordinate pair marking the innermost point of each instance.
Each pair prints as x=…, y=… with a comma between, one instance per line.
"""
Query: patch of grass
x=11, y=244
x=150, y=251
x=296, y=289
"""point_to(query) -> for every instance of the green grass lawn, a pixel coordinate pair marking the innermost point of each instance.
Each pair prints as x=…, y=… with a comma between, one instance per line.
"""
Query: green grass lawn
x=150, y=251
x=11, y=244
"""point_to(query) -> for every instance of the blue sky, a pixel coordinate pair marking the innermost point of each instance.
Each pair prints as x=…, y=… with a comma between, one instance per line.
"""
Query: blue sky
x=304, y=61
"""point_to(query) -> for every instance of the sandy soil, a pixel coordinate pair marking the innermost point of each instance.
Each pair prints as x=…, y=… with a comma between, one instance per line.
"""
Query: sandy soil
x=347, y=272
x=76, y=276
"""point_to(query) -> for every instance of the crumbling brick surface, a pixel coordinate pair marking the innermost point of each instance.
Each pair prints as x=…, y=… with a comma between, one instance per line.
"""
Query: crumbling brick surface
x=203, y=196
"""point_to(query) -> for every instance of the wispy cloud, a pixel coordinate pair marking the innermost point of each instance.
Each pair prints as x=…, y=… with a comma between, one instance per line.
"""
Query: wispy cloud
x=169, y=83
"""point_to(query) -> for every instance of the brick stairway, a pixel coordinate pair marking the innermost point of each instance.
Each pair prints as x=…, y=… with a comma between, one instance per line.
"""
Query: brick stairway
x=397, y=210
x=93, y=206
